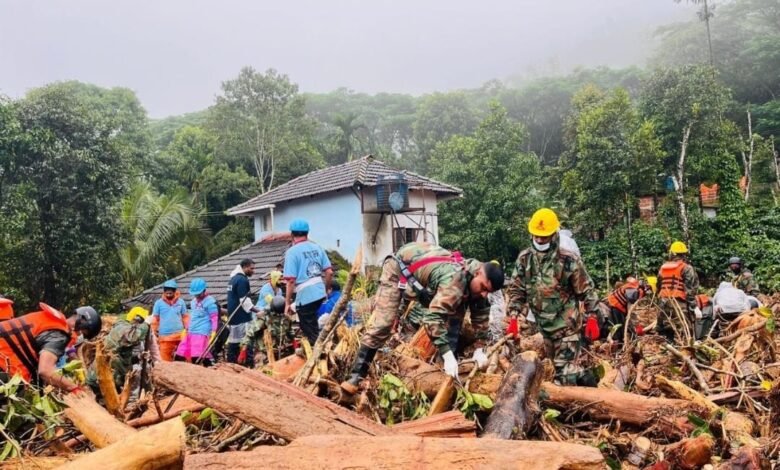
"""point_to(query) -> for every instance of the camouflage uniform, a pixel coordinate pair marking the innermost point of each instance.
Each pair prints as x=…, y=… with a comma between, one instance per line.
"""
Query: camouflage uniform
x=479, y=314
x=743, y=281
x=691, y=287
x=122, y=344
x=551, y=284
x=281, y=332
x=447, y=280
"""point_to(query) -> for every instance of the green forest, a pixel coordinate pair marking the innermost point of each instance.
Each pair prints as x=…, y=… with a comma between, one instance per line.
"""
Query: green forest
x=99, y=201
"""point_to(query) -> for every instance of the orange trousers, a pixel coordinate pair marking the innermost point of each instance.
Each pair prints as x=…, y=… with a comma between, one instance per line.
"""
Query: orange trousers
x=168, y=345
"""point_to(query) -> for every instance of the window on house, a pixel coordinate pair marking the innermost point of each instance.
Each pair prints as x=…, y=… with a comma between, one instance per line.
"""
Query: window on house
x=402, y=236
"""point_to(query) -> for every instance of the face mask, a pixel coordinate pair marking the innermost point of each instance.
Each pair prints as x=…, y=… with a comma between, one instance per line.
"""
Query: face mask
x=541, y=247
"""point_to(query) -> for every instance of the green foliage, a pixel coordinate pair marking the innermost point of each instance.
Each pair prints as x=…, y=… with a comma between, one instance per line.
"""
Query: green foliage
x=398, y=403
x=500, y=184
x=440, y=116
x=471, y=403
x=26, y=413
x=236, y=234
x=66, y=161
x=261, y=125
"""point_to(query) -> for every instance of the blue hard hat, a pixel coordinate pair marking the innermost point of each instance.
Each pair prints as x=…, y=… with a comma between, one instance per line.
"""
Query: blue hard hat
x=299, y=225
x=197, y=286
x=170, y=284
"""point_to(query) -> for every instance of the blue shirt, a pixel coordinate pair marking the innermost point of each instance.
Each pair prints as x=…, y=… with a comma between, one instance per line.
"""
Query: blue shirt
x=327, y=307
x=200, y=315
x=266, y=290
x=304, y=261
x=170, y=316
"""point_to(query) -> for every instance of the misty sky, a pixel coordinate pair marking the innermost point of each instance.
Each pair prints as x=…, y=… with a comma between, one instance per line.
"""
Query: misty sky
x=175, y=53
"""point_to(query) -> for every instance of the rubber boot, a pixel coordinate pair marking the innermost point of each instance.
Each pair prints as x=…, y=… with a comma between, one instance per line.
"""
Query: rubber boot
x=363, y=361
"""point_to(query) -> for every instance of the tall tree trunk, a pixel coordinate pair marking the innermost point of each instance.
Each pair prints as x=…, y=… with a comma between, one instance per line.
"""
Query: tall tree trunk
x=709, y=36
x=747, y=159
x=679, y=181
x=630, y=234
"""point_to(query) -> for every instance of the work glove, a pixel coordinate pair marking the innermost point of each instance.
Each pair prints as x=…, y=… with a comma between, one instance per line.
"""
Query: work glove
x=513, y=328
x=640, y=330
x=242, y=356
x=450, y=365
x=211, y=338
x=480, y=358
x=247, y=304
x=183, y=335
x=697, y=313
x=78, y=390
x=592, y=331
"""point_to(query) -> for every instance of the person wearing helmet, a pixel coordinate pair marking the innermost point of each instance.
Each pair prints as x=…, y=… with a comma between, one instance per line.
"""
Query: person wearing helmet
x=741, y=278
x=271, y=288
x=31, y=344
x=678, y=286
x=169, y=320
x=272, y=319
x=549, y=283
x=620, y=301
x=442, y=282
x=123, y=345
x=202, y=326
x=307, y=271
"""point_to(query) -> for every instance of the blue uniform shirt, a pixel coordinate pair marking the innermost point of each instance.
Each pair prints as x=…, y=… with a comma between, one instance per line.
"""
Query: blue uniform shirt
x=200, y=315
x=267, y=289
x=238, y=288
x=305, y=262
x=170, y=316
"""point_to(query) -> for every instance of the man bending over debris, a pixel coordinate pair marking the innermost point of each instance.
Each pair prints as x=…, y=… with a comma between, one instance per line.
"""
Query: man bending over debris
x=270, y=318
x=124, y=344
x=439, y=280
x=550, y=282
x=31, y=344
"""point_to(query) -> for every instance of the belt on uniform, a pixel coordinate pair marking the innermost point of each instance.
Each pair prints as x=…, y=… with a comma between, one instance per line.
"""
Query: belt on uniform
x=308, y=283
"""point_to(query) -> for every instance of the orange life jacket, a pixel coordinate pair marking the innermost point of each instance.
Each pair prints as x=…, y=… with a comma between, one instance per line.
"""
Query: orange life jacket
x=672, y=285
x=6, y=309
x=702, y=300
x=617, y=298
x=18, y=352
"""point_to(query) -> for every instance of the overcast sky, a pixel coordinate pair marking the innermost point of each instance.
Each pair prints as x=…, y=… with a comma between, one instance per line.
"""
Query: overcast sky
x=175, y=53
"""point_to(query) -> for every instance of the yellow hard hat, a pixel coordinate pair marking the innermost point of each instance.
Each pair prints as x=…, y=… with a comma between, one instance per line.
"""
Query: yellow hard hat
x=678, y=248
x=652, y=281
x=543, y=223
x=137, y=312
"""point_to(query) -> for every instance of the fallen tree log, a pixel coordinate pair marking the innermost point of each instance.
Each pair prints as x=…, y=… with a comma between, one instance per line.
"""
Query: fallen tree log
x=105, y=379
x=35, y=463
x=516, y=406
x=690, y=453
x=449, y=424
x=420, y=376
x=155, y=447
x=94, y=421
x=406, y=452
x=276, y=407
x=285, y=368
x=667, y=414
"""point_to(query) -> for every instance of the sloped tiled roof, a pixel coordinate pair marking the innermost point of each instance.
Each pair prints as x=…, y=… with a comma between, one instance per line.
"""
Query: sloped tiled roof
x=266, y=254
x=362, y=172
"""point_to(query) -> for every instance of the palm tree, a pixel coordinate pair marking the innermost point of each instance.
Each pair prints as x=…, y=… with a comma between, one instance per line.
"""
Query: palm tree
x=160, y=227
x=348, y=126
x=704, y=15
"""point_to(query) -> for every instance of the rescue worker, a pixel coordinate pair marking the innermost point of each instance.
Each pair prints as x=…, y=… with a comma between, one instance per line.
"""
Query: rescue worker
x=6, y=308
x=441, y=281
x=549, y=283
x=679, y=285
x=122, y=344
x=239, y=305
x=741, y=278
x=307, y=270
x=271, y=288
x=620, y=301
x=202, y=327
x=272, y=318
x=169, y=320
x=31, y=344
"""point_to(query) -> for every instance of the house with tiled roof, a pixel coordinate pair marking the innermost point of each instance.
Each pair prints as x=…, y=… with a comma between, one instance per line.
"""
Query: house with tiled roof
x=362, y=202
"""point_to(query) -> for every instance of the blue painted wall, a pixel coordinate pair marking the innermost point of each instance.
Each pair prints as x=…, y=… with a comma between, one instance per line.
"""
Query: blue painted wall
x=334, y=219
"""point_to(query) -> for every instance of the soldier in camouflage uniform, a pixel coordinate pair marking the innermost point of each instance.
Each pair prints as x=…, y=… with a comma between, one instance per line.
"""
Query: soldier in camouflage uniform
x=741, y=278
x=550, y=282
x=270, y=318
x=678, y=286
x=448, y=283
x=127, y=337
